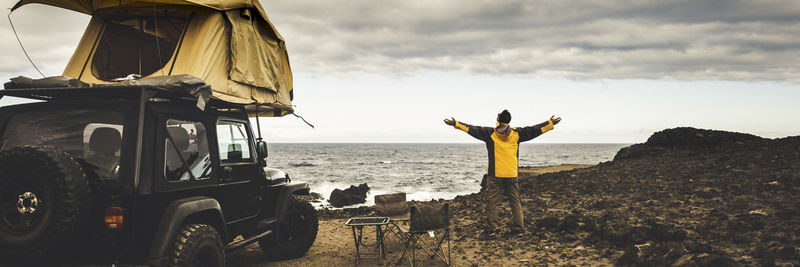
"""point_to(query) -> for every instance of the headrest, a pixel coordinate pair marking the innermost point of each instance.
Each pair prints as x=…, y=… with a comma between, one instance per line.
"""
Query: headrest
x=180, y=137
x=234, y=152
x=105, y=139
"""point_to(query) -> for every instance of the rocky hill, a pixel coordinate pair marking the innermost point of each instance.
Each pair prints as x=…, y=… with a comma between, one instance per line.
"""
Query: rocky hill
x=685, y=197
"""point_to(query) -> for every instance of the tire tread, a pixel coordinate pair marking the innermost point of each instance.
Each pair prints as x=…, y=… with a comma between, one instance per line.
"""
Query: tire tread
x=188, y=238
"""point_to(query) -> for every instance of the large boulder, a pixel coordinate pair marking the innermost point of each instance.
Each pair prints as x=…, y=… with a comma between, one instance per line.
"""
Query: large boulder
x=686, y=138
x=350, y=196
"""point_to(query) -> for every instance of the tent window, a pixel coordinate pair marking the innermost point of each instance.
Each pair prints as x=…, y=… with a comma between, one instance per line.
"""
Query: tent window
x=138, y=45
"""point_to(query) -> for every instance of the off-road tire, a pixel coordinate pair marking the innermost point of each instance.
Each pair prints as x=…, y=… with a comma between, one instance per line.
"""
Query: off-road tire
x=294, y=234
x=62, y=190
x=197, y=245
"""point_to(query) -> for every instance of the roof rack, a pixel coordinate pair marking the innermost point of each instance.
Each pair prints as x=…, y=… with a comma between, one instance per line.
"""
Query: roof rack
x=83, y=93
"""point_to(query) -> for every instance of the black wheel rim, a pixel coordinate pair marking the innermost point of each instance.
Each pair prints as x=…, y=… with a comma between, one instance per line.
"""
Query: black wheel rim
x=12, y=220
x=206, y=256
x=295, y=228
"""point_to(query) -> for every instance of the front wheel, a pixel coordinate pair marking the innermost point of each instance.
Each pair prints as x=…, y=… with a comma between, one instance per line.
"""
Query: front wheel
x=197, y=245
x=294, y=234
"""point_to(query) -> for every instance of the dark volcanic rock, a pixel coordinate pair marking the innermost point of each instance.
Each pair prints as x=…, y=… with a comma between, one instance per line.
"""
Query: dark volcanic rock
x=312, y=197
x=346, y=213
x=692, y=138
x=687, y=197
x=350, y=196
x=686, y=138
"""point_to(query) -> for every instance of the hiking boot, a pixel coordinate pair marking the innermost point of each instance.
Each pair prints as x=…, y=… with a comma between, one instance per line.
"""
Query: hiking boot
x=518, y=233
x=487, y=234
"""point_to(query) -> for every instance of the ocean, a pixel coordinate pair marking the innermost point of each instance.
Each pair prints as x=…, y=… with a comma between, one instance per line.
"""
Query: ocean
x=422, y=171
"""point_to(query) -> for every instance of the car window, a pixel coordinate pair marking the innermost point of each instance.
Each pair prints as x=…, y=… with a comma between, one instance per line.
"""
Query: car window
x=101, y=147
x=186, y=151
x=234, y=145
x=92, y=136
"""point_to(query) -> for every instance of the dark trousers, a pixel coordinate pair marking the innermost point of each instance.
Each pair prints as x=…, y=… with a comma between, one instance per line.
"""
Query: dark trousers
x=509, y=187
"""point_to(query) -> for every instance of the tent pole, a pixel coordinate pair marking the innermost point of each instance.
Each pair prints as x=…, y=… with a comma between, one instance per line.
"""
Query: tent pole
x=258, y=123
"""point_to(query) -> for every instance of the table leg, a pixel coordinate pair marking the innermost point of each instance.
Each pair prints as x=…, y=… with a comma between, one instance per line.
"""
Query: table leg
x=383, y=245
x=358, y=255
x=378, y=247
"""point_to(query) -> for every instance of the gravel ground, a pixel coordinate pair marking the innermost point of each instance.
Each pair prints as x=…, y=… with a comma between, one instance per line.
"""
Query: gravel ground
x=686, y=197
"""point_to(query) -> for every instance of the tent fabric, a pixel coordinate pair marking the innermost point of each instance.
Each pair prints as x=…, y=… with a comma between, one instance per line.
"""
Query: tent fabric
x=183, y=83
x=229, y=44
x=22, y=82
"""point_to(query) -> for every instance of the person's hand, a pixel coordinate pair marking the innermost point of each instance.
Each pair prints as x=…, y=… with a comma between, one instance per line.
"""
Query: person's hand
x=555, y=120
x=451, y=121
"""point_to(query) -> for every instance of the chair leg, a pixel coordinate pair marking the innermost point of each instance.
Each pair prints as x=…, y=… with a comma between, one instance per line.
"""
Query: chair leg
x=448, y=260
x=394, y=229
x=435, y=248
x=413, y=254
x=408, y=242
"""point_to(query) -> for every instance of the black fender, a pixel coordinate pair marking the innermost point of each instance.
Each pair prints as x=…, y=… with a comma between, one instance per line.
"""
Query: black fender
x=283, y=199
x=176, y=215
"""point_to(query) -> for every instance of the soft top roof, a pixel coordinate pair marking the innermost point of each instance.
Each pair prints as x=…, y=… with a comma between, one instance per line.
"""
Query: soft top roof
x=64, y=88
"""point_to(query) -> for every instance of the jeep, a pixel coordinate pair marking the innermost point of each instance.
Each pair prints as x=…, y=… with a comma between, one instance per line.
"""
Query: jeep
x=140, y=175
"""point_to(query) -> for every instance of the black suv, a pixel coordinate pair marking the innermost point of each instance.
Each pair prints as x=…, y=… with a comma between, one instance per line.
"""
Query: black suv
x=140, y=175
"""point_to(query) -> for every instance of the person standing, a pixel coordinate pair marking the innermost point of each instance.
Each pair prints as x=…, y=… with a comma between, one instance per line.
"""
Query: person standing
x=502, y=145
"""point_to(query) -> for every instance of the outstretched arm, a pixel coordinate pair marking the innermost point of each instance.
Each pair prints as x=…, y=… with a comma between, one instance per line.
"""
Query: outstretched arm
x=530, y=132
x=481, y=133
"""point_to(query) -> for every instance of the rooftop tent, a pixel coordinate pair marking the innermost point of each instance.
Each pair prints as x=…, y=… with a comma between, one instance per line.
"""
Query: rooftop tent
x=229, y=44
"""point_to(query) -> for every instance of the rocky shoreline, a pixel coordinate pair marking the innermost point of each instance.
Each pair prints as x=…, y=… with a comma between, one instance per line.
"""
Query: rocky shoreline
x=686, y=197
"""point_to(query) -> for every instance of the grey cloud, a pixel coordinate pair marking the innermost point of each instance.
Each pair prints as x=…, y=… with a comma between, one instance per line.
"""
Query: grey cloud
x=49, y=34
x=569, y=39
x=725, y=40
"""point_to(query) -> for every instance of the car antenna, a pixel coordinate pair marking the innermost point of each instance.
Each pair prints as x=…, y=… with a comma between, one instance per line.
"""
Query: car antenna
x=22, y=46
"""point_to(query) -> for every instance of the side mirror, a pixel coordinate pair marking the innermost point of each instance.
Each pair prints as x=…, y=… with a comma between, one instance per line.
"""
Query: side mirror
x=263, y=151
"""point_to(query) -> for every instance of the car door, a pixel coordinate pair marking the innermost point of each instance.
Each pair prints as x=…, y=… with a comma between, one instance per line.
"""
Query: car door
x=239, y=170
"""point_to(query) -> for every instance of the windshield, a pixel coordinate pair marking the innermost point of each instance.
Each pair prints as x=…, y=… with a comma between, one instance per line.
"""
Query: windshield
x=92, y=136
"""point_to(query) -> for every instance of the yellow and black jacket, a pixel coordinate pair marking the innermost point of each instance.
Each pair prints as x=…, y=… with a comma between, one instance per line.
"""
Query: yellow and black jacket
x=502, y=144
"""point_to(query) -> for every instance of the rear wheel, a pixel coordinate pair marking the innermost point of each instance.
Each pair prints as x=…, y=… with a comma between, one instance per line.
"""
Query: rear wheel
x=197, y=245
x=294, y=235
x=44, y=200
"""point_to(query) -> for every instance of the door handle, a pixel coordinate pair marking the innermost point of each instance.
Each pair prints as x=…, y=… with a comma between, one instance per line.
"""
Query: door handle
x=225, y=175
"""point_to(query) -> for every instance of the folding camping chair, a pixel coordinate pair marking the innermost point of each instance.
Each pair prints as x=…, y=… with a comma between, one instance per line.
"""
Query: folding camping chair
x=425, y=220
x=396, y=208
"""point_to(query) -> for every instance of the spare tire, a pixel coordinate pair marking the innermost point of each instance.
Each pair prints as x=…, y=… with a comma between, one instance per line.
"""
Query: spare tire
x=44, y=199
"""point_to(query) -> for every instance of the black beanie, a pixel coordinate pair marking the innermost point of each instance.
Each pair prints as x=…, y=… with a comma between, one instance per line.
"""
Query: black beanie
x=504, y=117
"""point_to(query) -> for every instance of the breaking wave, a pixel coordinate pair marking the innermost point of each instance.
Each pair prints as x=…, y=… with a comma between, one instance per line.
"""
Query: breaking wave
x=422, y=171
x=302, y=164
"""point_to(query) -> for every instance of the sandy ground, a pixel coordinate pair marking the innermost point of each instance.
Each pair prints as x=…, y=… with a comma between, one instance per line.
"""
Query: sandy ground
x=334, y=246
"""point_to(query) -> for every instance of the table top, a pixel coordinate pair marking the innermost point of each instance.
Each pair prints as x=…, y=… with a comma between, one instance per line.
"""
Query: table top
x=364, y=221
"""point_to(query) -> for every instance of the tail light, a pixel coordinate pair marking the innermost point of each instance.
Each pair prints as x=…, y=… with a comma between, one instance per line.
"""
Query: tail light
x=113, y=218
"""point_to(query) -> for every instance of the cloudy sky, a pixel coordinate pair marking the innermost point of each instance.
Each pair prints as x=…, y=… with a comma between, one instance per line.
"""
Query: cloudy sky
x=616, y=71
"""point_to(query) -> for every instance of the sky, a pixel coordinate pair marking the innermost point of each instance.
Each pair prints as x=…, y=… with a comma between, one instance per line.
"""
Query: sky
x=615, y=71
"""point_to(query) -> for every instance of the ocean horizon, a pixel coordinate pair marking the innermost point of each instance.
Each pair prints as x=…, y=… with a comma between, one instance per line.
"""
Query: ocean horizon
x=424, y=171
